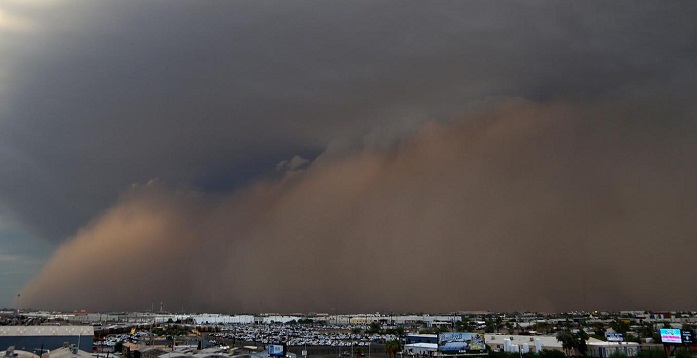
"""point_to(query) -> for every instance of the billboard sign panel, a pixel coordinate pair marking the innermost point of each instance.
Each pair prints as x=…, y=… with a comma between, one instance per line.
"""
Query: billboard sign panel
x=614, y=337
x=461, y=342
x=688, y=336
x=276, y=350
x=670, y=335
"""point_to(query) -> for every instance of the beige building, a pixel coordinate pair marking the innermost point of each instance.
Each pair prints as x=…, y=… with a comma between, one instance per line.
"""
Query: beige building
x=500, y=342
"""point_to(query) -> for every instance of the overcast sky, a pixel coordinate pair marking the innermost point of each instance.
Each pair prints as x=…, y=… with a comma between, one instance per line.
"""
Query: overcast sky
x=291, y=156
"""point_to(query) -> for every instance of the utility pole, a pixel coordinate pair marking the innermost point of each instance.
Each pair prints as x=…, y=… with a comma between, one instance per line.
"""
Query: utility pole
x=152, y=312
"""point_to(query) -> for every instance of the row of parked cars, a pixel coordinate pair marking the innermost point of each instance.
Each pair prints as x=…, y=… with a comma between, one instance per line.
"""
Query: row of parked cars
x=110, y=340
x=303, y=335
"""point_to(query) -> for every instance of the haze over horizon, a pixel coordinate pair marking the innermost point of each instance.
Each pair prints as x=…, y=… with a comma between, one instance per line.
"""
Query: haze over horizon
x=359, y=156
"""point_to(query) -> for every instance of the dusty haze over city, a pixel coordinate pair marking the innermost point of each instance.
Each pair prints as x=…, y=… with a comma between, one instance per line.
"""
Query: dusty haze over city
x=348, y=156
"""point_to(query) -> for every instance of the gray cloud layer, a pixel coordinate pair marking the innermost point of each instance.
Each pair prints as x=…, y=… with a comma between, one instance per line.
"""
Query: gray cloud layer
x=208, y=97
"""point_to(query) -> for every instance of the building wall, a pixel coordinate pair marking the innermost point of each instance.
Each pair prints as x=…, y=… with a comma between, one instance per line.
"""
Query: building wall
x=29, y=343
x=419, y=351
x=410, y=339
x=604, y=352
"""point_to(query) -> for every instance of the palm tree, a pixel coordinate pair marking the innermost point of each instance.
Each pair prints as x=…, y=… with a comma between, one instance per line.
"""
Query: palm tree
x=392, y=348
x=582, y=346
x=568, y=341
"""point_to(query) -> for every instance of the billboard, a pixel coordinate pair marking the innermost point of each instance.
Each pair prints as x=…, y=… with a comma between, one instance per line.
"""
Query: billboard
x=670, y=335
x=461, y=342
x=276, y=350
x=614, y=337
x=688, y=336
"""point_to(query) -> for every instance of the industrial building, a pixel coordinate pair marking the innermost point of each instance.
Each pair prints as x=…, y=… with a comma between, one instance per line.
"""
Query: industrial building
x=29, y=338
x=525, y=344
x=600, y=349
x=521, y=343
x=421, y=344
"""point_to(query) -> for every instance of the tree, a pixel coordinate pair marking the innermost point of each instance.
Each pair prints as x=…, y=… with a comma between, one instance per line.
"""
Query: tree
x=509, y=327
x=546, y=353
x=620, y=326
x=646, y=330
x=542, y=327
x=683, y=353
x=599, y=329
x=374, y=328
x=651, y=353
x=400, y=331
x=618, y=354
x=465, y=324
x=392, y=348
x=499, y=323
x=582, y=338
x=568, y=341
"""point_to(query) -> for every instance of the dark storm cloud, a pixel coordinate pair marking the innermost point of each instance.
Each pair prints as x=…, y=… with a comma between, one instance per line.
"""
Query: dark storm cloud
x=522, y=207
x=210, y=96
x=100, y=95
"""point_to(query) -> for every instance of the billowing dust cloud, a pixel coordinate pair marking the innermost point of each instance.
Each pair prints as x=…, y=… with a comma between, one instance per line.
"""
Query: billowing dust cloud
x=520, y=207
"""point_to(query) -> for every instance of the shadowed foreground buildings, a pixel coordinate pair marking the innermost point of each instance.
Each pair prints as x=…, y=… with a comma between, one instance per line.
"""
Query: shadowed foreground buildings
x=28, y=338
x=148, y=335
x=426, y=345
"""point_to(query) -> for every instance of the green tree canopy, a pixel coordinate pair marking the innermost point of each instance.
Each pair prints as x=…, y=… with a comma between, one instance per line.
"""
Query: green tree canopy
x=651, y=353
x=547, y=353
x=392, y=348
x=618, y=354
x=683, y=353
x=620, y=325
x=568, y=340
x=582, y=338
x=374, y=328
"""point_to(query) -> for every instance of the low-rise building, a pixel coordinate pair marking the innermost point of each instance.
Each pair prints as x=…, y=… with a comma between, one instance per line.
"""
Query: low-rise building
x=49, y=337
x=601, y=349
x=500, y=342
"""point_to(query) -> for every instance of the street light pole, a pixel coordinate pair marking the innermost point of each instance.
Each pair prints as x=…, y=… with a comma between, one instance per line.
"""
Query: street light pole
x=152, y=312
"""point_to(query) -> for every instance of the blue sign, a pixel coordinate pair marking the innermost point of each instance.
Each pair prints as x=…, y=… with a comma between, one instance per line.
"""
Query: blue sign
x=614, y=337
x=276, y=350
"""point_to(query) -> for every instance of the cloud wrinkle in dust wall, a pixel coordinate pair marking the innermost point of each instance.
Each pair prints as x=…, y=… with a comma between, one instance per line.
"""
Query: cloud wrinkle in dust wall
x=522, y=206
